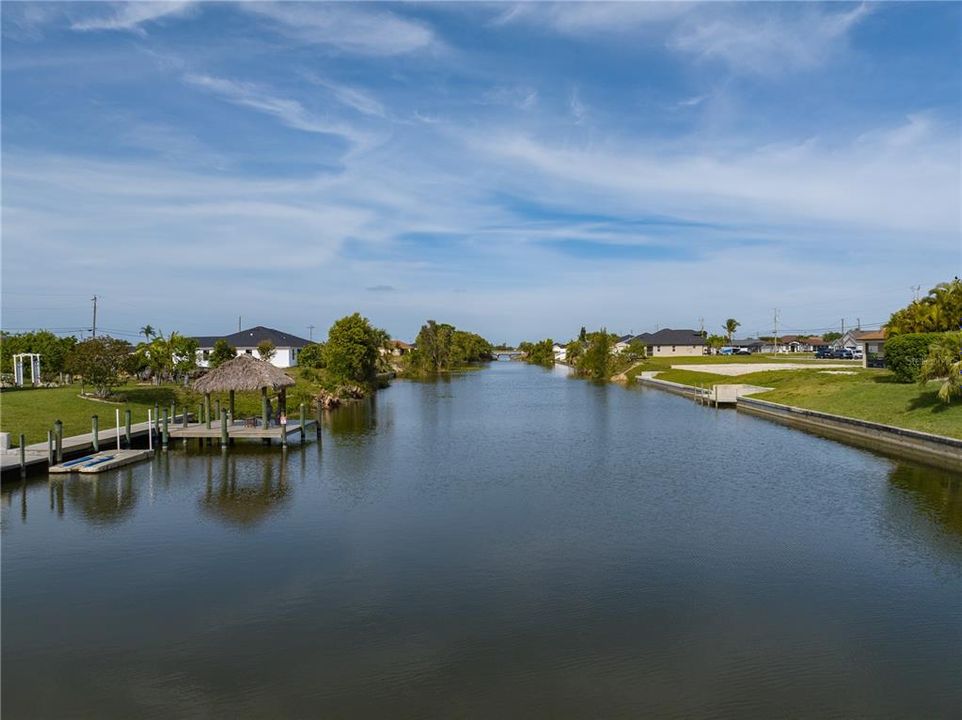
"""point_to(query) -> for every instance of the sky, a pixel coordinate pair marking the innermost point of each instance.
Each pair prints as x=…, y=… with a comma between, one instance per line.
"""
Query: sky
x=519, y=170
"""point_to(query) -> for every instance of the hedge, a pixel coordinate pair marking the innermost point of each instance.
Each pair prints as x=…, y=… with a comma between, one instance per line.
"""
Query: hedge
x=904, y=354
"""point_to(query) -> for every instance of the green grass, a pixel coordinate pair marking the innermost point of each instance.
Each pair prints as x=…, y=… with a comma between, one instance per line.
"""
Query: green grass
x=33, y=411
x=867, y=394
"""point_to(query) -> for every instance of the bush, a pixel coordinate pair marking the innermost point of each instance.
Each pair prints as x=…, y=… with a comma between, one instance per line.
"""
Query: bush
x=904, y=354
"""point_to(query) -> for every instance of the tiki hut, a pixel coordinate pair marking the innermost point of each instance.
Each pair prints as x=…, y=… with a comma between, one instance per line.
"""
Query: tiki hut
x=245, y=373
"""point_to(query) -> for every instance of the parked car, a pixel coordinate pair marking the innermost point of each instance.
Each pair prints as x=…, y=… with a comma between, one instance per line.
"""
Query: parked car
x=825, y=353
x=742, y=351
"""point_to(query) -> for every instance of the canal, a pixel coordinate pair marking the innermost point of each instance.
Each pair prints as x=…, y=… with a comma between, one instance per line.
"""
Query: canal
x=509, y=542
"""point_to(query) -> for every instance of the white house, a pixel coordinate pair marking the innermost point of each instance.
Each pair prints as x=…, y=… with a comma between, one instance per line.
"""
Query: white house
x=286, y=347
x=560, y=352
x=673, y=343
x=622, y=344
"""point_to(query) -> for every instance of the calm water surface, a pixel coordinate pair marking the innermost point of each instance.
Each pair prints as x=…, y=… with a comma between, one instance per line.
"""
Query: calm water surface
x=509, y=543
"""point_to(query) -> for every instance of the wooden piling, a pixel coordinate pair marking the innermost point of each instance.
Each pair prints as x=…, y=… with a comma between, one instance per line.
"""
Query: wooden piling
x=207, y=410
x=230, y=409
x=164, y=438
x=23, y=455
x=95, y=432
x=183, y=419
x=303, y=419
x=51, y=458
x=264, y=407
x=224, y=436
x=58, y=440
x=127, y=427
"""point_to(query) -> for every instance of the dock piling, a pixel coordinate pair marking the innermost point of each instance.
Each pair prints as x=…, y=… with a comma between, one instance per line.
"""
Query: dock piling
x=303, y=420
x=127, y=426
x=207, y=410
x=95, y=432
x=23, y=455
x=58, y=440
x=224, y=436
x=50, y=456
x=164, y=437
x=264, y=407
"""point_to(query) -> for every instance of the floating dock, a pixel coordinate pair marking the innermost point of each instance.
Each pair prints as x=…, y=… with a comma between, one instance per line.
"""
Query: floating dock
x=101, y=461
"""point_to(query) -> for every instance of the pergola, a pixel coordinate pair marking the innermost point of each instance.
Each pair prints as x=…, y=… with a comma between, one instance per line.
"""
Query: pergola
x=245, y=373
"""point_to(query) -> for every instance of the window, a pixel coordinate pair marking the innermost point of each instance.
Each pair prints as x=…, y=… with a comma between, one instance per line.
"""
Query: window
x=673, y=348
x=249, y=352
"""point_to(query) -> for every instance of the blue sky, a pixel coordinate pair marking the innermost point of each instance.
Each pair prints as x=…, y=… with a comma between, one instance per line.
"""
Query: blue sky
x=516, y=169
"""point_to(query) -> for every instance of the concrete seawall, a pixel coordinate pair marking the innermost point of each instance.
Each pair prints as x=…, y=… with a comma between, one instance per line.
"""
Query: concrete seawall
x=933, y=449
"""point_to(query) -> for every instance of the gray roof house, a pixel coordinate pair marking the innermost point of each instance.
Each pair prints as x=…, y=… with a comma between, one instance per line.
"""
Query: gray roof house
x=246, y=341
x=668, y=342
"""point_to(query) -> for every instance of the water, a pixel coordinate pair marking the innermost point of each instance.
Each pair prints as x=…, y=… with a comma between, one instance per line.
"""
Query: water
x=509, y=543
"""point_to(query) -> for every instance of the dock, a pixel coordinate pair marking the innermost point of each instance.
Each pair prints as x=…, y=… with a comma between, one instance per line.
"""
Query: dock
x=240, y=430
x=101, y=461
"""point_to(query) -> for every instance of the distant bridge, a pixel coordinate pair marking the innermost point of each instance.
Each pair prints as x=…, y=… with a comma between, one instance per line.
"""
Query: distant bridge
x=510, y=354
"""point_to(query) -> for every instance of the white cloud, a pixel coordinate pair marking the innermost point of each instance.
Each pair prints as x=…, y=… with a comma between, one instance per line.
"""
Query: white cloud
x=350, y=96
x=766, y=40
x=290, y=112
x=578, y=110
x=132, y=16
x=355, y=29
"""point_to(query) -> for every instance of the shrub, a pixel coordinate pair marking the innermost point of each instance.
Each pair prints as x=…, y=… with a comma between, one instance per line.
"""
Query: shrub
x=904, y=354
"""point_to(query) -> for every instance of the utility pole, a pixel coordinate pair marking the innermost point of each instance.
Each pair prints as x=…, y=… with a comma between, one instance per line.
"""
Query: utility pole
x=238, y=323
x=701, y=326
x=843, y=326
x=776, y=329
x=915, y=292
x=93, y=329
x=858, y=323
x=310, y=329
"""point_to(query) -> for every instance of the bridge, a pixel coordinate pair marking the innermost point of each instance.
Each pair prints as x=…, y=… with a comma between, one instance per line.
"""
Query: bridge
x=510, y=354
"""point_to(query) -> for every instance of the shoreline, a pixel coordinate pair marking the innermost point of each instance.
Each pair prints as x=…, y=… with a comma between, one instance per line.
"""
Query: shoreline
x=938, y=450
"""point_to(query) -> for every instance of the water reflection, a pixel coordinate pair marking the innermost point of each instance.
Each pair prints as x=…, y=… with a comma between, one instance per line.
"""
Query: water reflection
x=248, y=495
x=101, y=499
x=356, y=417
x=937, y=493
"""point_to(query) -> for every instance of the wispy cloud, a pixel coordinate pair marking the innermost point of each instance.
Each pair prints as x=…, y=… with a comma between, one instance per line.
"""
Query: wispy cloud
x=290, y=112
x=131, y=16
x=352, y=97
x=767, y=42
x=356, y=29
x=578, y=110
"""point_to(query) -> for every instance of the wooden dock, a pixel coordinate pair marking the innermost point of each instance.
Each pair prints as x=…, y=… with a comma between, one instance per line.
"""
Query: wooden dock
x=101, y=461
x=239, y=430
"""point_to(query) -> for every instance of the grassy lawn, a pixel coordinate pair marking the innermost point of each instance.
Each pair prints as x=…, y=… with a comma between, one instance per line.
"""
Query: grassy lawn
x=867, y=394
x=33, y=411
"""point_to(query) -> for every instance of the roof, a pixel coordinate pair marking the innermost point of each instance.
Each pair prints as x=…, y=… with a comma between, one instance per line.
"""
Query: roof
x=869, y=335
x=252, y=337
x=746, y=342
x=244, y=372
x=626, y=338
x=400, y=344
x=667, y=336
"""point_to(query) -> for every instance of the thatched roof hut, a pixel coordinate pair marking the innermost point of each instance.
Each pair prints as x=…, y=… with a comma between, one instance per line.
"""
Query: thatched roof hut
x=241, y=373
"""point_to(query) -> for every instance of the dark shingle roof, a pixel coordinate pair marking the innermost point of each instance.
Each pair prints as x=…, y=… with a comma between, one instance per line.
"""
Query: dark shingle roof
x=252, y=336
x=667, y=336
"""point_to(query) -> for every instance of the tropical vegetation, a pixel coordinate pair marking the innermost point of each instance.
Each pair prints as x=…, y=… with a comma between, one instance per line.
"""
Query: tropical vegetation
x=441, y=347
x=939, y=311
x=101, y=362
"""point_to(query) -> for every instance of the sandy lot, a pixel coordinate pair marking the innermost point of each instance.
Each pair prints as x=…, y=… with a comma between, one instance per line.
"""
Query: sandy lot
x=734, y=369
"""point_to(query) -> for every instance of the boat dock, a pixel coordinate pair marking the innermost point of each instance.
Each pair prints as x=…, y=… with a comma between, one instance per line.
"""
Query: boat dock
x=241, y=430
x=101, y=461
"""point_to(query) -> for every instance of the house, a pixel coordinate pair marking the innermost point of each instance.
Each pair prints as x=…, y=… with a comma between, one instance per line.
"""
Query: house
x=560, y=352
x=673, y=343
x=848, y=340
x=800, y=343
x=286, y=346
x=753, y=345
x=622, y=344
x=872, y=343
x=397, y=348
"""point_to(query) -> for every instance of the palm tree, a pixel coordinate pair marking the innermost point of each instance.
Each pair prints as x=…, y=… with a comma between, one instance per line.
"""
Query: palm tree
x=147, y=331
x=731, y=325
x=944, y=362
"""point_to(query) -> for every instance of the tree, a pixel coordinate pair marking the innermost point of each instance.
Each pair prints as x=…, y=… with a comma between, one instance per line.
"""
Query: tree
x=168, y=357
x=939, y=311
x=573, y=351
x=831, y=336
x=147, y=331
x=351, y=351
x=311, y=355
x=731, y=325
x=538, y=353
x=100, y=361
x=583, y=335
x=944, y=362
x=596, y=361
x=221, y=353
x=53, y=349
x=266, y=350
x=715, y=343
